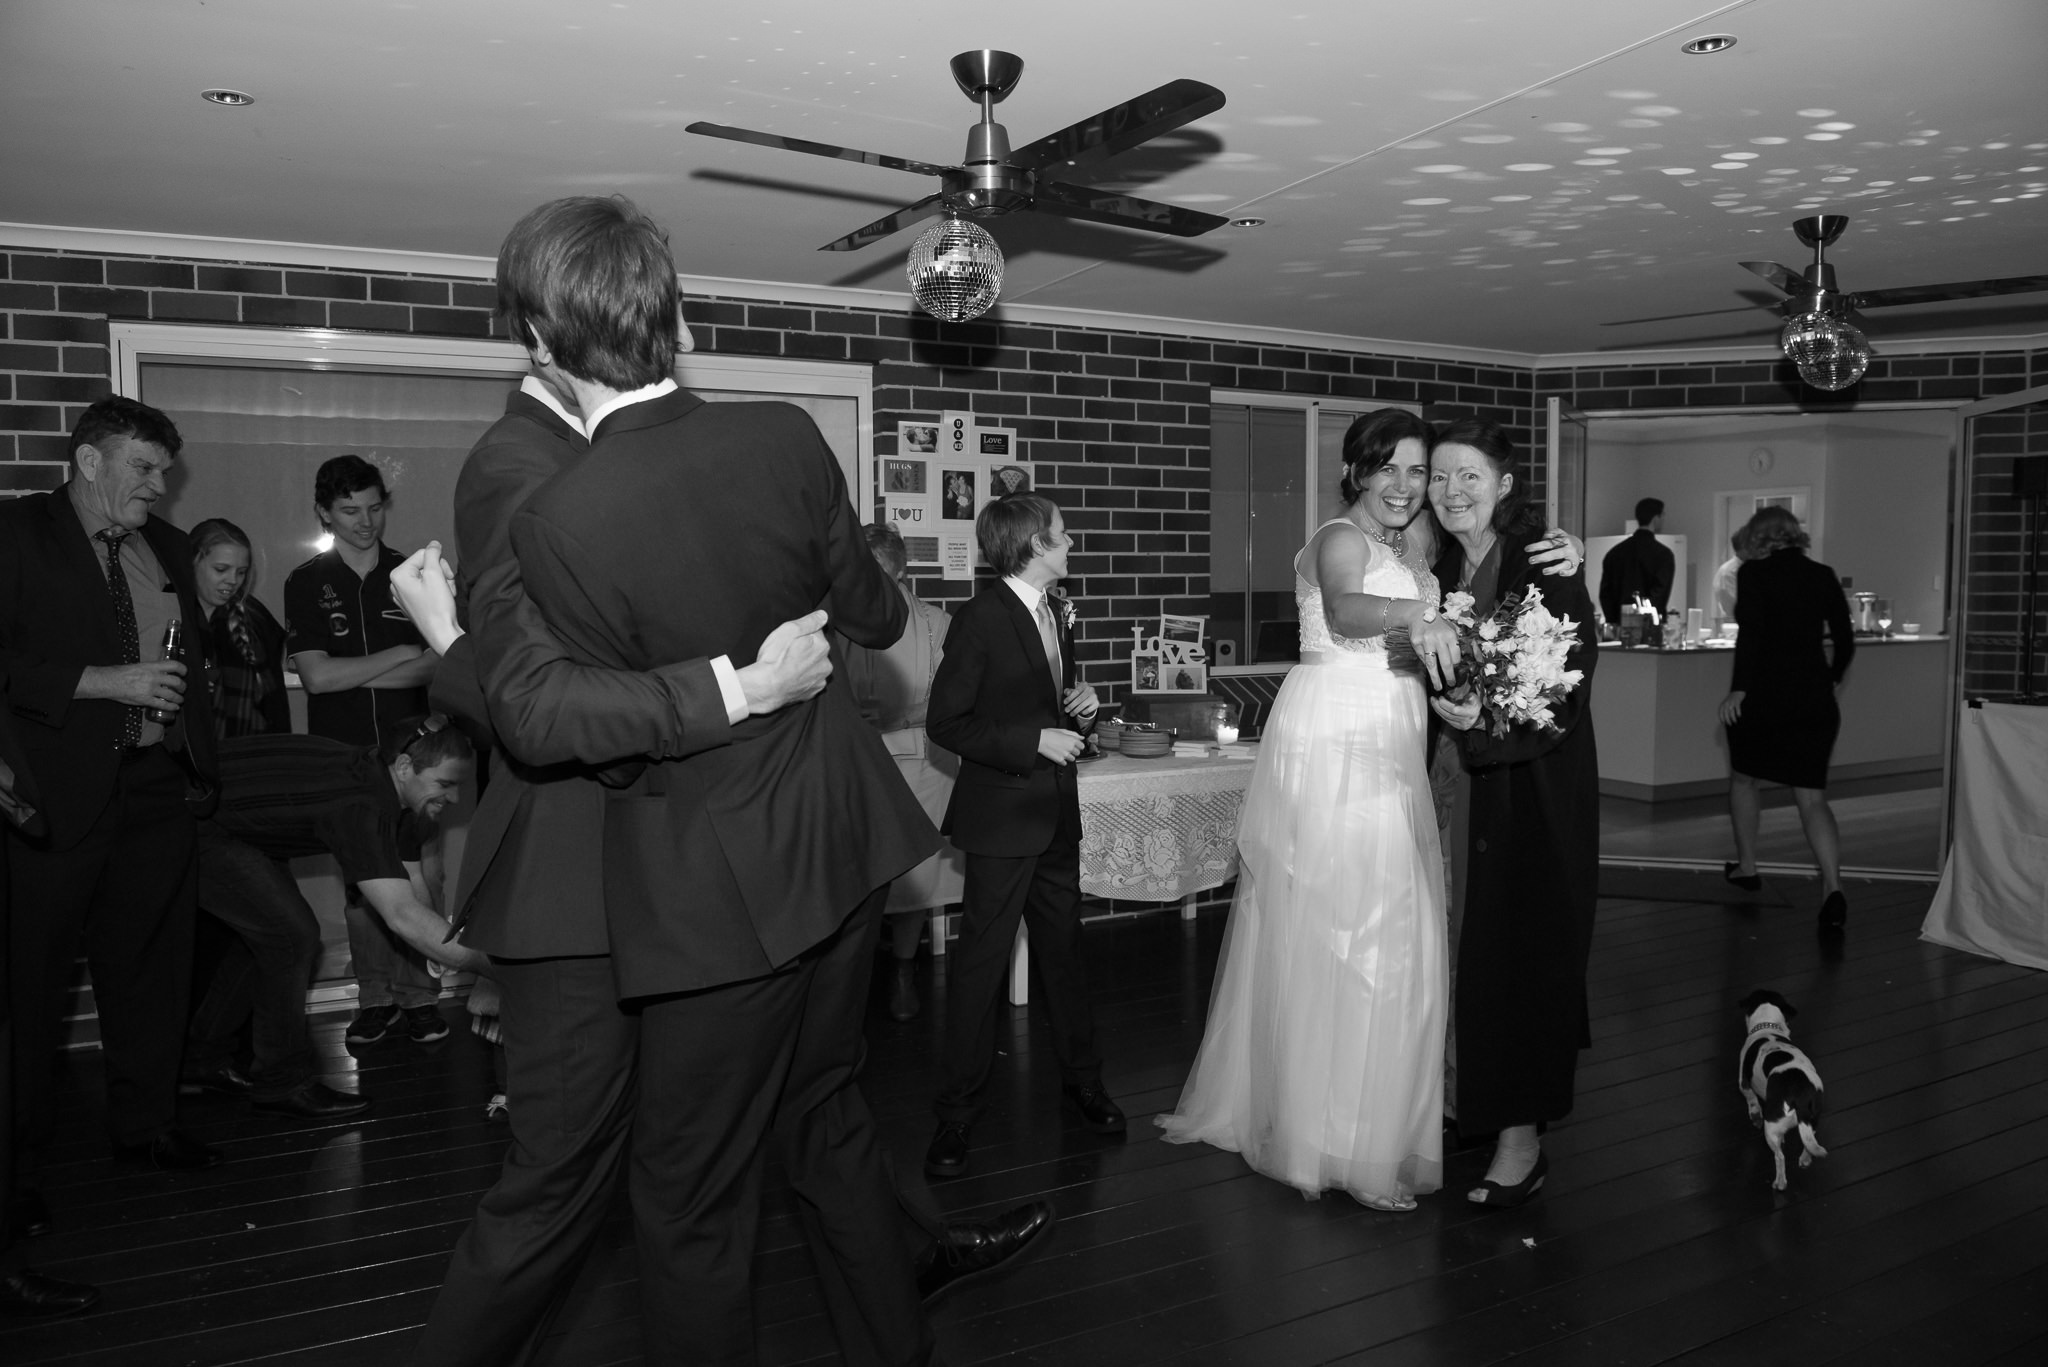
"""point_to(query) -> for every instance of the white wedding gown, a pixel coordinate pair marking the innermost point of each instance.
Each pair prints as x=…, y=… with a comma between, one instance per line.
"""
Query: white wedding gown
x=1322, y=1062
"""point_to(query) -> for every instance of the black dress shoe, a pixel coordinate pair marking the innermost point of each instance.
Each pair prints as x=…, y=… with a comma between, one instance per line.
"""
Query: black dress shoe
x=1834, y=914
x=23, y=1292
x=171, y=1151
x=311, y=1100
x=1097, y=1109
x=947, y=1156
x=28, y=1214
x=226, y=1080
x=968, y=1251
x=1748, y=882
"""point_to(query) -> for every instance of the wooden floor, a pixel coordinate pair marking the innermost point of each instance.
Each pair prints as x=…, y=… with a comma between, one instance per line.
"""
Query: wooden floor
x=1922, y=1239
x=1891, y=823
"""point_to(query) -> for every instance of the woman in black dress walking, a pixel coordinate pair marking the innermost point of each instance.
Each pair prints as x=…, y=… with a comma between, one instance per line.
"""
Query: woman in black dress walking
x=1780, y=712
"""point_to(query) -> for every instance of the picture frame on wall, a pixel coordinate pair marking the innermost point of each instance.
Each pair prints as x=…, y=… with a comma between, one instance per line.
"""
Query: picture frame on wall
x=959, y=493
x=917, y=438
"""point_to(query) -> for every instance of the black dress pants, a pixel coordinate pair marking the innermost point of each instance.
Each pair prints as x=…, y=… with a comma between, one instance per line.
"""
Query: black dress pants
x=722, y=1068
x=571, y=1056
x=125, y=893
x=1044, y=891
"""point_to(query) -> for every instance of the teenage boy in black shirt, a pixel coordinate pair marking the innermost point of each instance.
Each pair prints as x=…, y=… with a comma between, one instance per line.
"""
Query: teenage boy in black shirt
x=365, y=670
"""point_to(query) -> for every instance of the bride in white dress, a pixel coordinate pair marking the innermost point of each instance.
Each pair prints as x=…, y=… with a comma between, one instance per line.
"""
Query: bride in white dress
x=1322, y=1062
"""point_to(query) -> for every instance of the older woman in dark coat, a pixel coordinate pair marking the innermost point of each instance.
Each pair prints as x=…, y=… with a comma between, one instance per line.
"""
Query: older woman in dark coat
x=1534, y=845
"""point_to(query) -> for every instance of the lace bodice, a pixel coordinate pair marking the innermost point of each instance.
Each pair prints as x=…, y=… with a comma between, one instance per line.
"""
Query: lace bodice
x=1385, y=574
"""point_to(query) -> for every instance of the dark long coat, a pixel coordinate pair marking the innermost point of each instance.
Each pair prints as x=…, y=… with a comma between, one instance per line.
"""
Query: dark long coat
x=1533, y=874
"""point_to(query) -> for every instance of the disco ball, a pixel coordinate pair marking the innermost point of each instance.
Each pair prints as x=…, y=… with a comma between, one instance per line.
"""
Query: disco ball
x=955, y=270
x=1831, y=353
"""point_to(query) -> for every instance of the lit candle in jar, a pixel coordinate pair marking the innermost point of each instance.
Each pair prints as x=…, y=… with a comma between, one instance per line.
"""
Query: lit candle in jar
x=1226, y=734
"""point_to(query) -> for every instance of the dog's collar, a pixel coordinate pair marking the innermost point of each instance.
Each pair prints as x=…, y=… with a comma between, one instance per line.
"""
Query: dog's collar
x=1772, y=1029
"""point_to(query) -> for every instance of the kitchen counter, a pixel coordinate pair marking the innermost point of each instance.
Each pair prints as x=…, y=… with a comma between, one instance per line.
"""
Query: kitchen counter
x=1655, y=713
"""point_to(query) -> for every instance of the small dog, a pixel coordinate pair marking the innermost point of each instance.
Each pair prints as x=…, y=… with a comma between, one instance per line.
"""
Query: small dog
x=1778, y=1081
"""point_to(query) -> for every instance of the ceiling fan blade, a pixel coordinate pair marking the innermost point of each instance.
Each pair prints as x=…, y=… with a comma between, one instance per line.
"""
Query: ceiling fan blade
x=1784, y=277
x=1125, y=211
x=1965, y=289
x=1671, y=317
x=1122, y=126
x=889, y=226
x=817, y=149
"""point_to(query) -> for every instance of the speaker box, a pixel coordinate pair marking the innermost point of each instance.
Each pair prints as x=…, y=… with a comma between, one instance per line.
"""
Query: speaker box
x=2030, y=476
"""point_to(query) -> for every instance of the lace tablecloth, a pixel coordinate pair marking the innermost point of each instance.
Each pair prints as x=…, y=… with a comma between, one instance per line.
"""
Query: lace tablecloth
x=1156, y=830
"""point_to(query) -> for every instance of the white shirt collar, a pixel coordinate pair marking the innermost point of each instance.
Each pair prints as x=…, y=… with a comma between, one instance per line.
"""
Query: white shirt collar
x=605, y=410
x=1026, y=594
x=535, y=388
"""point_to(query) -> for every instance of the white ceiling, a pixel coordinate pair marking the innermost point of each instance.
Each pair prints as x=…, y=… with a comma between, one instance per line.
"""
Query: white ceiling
x=1501, y=174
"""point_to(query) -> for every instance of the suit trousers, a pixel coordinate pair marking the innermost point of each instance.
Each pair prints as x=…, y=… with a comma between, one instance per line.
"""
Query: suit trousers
x=125, y=893
x=257, y=898
x=1044, y=890
x=570, y=1063
x=721, y=1069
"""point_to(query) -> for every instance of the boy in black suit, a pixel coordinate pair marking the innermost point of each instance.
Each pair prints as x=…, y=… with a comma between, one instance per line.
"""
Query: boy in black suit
x=1005, y=700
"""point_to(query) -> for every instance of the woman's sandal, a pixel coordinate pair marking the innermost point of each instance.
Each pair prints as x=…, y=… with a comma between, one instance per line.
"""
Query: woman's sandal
x=1748, y=882
x=1499, y=1196
x=1392, y=1205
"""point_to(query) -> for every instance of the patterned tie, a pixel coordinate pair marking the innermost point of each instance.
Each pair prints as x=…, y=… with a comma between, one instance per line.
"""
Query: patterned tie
x=1049, y=637
x=124, y=621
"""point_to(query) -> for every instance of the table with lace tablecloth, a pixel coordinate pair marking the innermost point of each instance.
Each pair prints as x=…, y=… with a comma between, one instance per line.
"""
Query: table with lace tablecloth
x=1155, y=830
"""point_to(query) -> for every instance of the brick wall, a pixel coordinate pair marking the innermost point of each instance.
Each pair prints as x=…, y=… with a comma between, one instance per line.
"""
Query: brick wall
x=1995, y=538
x=1118, y=422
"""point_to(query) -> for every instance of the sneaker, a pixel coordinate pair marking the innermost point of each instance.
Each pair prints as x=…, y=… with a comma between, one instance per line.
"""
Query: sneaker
x=373, y=1023
x=423, y=1025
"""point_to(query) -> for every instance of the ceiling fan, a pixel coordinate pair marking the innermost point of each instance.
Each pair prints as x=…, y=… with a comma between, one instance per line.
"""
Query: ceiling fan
x=1821, y=335
x=957, y=259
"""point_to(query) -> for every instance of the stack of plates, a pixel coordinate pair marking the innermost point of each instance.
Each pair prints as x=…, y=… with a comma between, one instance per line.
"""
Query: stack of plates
x=1146, y=742
x=1108, y=733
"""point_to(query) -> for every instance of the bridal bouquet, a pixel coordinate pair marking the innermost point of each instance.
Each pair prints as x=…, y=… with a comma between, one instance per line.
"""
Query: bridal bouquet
x=1514, y=659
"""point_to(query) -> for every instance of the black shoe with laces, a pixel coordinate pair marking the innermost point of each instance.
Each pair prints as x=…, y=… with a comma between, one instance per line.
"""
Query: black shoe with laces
x=968, y=1251
x=947, y=1156
x=373, y=1023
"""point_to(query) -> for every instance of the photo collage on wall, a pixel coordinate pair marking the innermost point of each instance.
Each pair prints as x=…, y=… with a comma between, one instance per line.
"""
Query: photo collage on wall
x=1175, y=660
x=942, y=475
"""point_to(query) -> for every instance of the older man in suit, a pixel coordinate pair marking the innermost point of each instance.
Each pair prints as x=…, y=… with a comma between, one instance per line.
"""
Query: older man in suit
x=1006, y=700
x=89, y=580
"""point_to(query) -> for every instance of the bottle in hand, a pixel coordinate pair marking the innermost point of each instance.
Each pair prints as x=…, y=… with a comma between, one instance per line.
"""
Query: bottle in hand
x=172, y=634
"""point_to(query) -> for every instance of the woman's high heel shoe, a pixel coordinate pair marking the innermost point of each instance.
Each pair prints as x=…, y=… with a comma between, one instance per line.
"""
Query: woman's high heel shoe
x=1748, y=882
x=1498, y=1196
x=1834, y=914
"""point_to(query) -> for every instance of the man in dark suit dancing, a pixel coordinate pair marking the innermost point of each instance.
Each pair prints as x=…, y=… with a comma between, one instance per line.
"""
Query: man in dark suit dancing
x=1006, y=701
x=741, y=884
x=123, y=752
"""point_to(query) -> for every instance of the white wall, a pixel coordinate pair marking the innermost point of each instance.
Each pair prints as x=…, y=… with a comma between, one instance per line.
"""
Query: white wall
x=1888, y=491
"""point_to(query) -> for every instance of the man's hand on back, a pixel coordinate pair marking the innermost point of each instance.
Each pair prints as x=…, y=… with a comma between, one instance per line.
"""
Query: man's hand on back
x=794, y=663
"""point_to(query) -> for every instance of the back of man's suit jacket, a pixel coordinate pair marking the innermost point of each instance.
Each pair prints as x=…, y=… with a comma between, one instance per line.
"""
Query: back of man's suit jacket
x=694, y=529
x=532, y=882
x=56, y=618
x=991, y=697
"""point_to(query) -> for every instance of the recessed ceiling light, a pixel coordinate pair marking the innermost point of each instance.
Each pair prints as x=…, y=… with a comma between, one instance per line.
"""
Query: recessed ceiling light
x=233, y=99
x=1713, y=42
x=1247, y=222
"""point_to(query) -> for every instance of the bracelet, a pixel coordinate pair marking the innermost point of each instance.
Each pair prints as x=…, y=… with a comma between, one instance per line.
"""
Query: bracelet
x=1428, y=614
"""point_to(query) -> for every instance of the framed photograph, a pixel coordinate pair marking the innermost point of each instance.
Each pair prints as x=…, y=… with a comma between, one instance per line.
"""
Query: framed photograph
x=1145, y=671
x=904, y=476
x=920, y=550
x=917, y=438
x=995, y=443
x=958, y=496
x=1009, y=478
x=1183, y=630
x=1184, y=678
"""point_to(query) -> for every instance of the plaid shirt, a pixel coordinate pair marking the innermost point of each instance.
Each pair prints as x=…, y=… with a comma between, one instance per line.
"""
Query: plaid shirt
x=248, y=684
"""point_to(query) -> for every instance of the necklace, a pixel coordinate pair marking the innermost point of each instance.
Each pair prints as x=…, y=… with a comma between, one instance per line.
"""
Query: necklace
x=1395, y=540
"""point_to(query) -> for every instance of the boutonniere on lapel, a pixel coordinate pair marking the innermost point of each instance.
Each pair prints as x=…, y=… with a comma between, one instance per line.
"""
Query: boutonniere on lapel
x=1064, y=606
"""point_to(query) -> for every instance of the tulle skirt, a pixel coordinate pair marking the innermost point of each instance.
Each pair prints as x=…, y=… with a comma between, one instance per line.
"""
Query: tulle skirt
x=1322, y=1061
